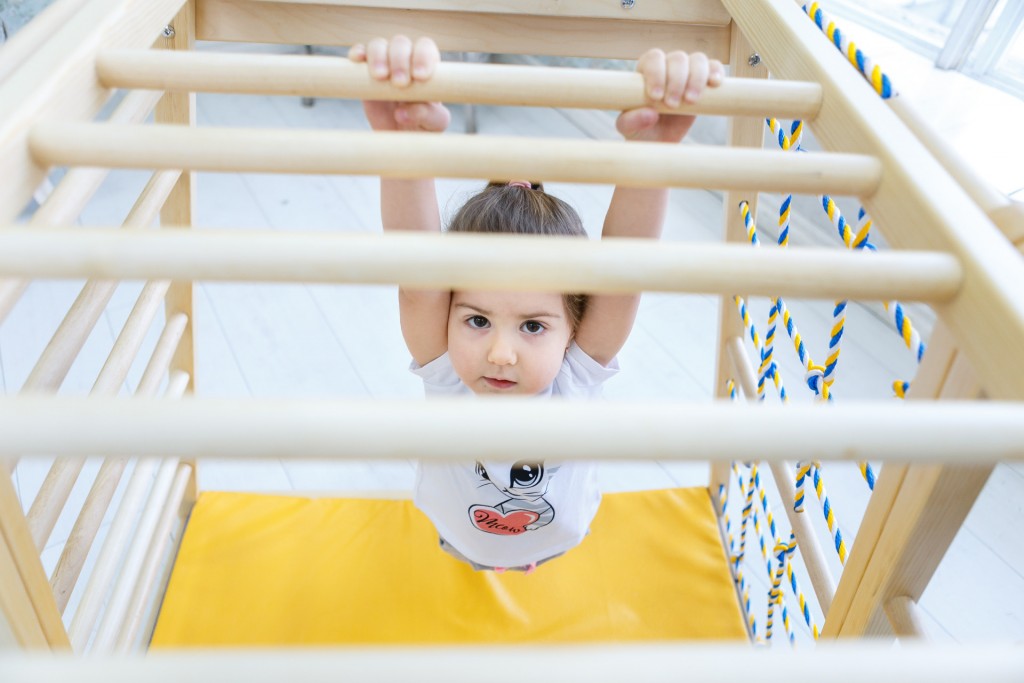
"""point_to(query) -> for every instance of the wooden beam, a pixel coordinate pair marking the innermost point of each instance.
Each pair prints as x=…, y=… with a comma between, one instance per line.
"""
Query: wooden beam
x=741, y=133
x=74, y=191
x=411, y=155
x=708, y=12
x=56, y=487
x=16, y=609
x=108, y=560
x=931, y=378
x=926, y=516
x=905, y=617
x=72, y=558
x=607, y=663
x=457, y=82
x=335, y=24
x=25, y=595
x=137, y=621
x=22, y=44
x=1006, y=213
x=914, y=512
x=942, y=432
x=178, y=111
x=493, y=262
x=58, y=81
x=131, y=565
x=67, y=341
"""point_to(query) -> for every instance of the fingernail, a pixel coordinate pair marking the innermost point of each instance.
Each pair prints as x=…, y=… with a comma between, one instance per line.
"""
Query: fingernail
x=379, y=69
x=692, y=95
x=657, y=93
x=420, y=72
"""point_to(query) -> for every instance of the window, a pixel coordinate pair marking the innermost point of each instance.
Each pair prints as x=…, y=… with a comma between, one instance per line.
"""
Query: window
x=982, y=38
x=999, y=58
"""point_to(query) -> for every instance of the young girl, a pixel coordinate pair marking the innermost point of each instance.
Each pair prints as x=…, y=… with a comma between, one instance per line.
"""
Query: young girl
x=516, y=515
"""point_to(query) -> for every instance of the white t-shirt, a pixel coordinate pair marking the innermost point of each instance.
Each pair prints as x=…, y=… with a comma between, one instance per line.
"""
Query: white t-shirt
x=509, y=514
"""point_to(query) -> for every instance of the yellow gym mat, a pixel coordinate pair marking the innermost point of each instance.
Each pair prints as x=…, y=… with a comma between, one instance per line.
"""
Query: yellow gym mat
x=274, y=570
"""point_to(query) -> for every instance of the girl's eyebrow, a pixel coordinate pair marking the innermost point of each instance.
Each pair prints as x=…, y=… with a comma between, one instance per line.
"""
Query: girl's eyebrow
x=473, y=308
x=530, y=316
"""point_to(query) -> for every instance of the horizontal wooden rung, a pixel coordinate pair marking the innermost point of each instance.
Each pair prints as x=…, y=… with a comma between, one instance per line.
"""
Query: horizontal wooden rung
x=453, y=429
x=499, y=84
x=848, y=662
x=463, y=261
x=425, y=155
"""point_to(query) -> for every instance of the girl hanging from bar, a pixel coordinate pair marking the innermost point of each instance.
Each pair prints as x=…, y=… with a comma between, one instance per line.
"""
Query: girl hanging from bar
x=518, y=514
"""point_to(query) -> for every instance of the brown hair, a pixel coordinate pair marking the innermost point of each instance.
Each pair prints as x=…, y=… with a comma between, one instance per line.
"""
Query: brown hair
x=518, y=210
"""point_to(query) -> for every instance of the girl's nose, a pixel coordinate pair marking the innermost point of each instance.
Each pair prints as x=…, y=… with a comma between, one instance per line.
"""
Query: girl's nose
x=501, y=352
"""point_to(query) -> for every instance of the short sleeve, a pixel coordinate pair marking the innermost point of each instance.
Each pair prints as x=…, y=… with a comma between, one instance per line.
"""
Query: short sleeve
x=581, y=375
x=439, y=377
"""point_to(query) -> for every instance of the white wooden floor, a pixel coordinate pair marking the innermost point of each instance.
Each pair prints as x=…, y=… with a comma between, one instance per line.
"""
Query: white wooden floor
x=304, y=340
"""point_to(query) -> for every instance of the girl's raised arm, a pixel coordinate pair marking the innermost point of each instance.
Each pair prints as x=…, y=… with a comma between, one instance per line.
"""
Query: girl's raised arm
x=410, y=204
x=640, y=212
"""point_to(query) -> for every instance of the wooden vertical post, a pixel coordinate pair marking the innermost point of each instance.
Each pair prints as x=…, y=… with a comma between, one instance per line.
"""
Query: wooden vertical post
x=743, y=132
x=178, y=213
x=914, y=513
x=26, y=601
x=21, y=627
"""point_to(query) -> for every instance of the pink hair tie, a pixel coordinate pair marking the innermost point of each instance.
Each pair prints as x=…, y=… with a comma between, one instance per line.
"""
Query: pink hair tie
x=520, y=183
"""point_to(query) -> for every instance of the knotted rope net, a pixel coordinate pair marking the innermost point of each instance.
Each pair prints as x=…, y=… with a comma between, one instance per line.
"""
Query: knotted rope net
x=777, y=550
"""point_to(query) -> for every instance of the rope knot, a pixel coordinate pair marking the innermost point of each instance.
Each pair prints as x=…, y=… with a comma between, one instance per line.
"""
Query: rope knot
x=783, y=549
x=815, y=378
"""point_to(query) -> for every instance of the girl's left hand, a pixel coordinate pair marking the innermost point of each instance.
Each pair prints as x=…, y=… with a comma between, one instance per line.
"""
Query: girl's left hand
x=670, y=79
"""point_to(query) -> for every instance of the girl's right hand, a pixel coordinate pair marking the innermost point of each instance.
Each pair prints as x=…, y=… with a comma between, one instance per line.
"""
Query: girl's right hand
x=402, y=63
x=670, y=79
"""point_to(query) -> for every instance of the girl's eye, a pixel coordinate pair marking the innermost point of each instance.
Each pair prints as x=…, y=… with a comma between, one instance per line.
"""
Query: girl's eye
x=532, y=327
x=477, y=322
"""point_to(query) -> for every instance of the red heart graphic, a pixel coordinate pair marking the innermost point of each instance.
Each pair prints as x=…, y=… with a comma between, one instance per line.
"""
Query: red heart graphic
x=494, y=522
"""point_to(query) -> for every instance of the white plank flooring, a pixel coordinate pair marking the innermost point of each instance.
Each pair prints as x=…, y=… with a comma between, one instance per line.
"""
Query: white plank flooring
x=306, y=340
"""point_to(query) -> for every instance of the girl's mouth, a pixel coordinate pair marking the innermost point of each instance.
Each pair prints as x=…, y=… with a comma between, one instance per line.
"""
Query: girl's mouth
x=499, y=383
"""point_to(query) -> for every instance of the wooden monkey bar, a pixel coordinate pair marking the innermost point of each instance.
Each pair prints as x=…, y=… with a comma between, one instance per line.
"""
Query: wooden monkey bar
x=499, y=84
x=69, y=338
x=701, y=12
x=705, y=663
x=969, y=279
x=408, y=155
x=76, y=188
x=935, y=432
x=475, y=261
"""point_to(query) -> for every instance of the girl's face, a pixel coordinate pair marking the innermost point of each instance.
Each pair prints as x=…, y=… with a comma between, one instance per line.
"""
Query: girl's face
x=507, y=342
